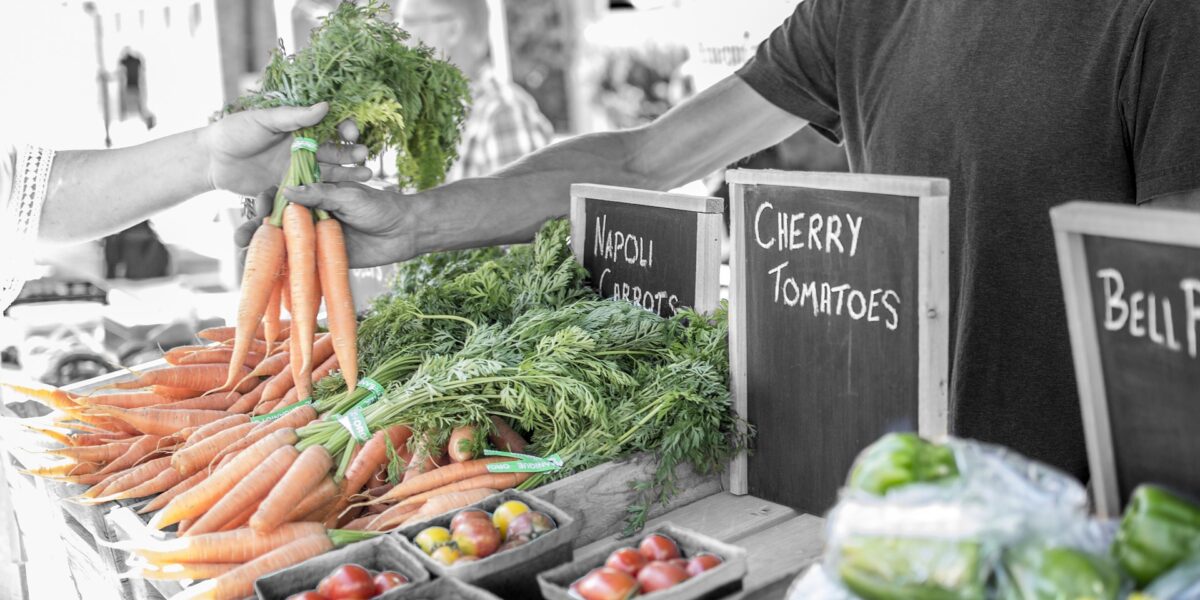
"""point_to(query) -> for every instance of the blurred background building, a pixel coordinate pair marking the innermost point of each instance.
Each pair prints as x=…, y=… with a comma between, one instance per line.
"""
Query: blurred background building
x=110, y=73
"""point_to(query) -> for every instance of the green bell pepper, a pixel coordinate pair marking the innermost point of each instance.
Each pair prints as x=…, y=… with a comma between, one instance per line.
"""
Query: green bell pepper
x=1037, y=572
x=898, y=459
x=1158, y=531
x=879, y=568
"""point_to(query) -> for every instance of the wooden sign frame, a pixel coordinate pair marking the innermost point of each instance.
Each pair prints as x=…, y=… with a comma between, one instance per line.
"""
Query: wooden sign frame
x=933, y=287
x=709, y=224
x=1071, y=222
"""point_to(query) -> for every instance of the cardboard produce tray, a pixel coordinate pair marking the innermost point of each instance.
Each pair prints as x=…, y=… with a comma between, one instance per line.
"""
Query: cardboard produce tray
x=384, y=553
x=512, y=573
x=718, y=582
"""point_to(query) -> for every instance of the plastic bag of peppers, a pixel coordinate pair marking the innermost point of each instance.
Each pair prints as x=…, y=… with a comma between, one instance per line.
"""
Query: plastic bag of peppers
x=965, y=520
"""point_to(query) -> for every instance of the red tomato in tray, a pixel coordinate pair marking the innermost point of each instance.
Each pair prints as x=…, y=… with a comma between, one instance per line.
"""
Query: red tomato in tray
x=348, y=582
x=701, y=563
x=660, y=575
x=606, y=583
x=309, y=595
x=476, y=537
x=388, y=580
x=626, y=559
x=658, y=547
x=466, y=515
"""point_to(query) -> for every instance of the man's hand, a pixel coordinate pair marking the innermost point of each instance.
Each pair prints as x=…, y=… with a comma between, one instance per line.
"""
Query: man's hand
x=372, y=220
x=249, y=151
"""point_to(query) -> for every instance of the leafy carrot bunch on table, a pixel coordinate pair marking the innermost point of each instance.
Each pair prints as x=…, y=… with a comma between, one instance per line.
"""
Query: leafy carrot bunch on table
x=399, y=96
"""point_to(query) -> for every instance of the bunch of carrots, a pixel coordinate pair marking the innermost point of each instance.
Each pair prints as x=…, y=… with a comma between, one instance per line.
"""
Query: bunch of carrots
x=243, y=499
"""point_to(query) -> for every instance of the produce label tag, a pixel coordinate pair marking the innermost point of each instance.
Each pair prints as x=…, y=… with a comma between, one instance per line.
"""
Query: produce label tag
x=271, y=416
x=375, y=391
x=304, y=143
x=524, y=463
x=356, y=424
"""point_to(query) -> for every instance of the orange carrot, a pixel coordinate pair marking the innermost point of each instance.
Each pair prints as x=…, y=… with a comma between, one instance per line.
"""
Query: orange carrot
x=258, y=281
x=334, y=271
x=505, y=437
x=162, y=499
x=318, y=497
x=174, y=393
x=438, y=478
x=305, y=473
x=163, y=481
x=193, y=377
x=137, y=475
x=92, y=439
x=103, y=454
x=125, y=400
x=98, y=423
x=216, y=401
x=273, y=364
x=231, y=547
x=221, y=355
x=136, y=451
x=271, y=324
x=251, y=489
x=305, y=289
x=216, y=427
x=195, y=457
x=248, y=400
x=495, y=481
x=295, y=419
x=199, y=499
x=161, y=421
x=228, y=334
x=461, y=439
x=242, y=519
x=56, y=435
x=318, y=374
x=179, y=571
x=278, y=385
x=62, y=469
x=51, y=397
x=448, y=502
x=267, y=406
x=239, y=583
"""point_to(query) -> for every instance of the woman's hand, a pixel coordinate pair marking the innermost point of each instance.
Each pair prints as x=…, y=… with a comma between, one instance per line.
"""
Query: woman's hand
x=249, y=151
x=373, y=221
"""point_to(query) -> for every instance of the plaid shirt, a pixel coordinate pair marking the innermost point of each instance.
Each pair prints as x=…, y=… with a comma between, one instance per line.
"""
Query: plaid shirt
x=504, y=125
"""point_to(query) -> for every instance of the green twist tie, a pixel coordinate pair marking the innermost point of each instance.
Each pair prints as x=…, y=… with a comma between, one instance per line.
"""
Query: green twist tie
x=375, y=390
x=525, y=463
x=356, y=424
x=304, y=143
x=271, y=416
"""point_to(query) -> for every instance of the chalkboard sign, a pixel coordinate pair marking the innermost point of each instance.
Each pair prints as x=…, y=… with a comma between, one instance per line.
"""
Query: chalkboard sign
x=838, y=322
x=1131, y=278
x=658, y=250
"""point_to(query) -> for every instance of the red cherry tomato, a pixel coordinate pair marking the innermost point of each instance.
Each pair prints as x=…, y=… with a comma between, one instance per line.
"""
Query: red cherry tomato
x=388, y=580
x=660, y=575
x=658, y=547
x=701, y=563
x=309, y=595
x=606, y=583
x=473, y=513
x=626, y=559
x=348, y=582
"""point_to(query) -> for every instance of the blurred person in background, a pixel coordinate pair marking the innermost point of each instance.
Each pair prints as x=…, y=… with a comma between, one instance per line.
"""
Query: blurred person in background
x=77, y=195
x=504, y=123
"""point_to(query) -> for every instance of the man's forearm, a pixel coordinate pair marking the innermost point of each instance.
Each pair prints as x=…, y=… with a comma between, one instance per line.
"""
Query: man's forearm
x=509, y=206
x=93, y=193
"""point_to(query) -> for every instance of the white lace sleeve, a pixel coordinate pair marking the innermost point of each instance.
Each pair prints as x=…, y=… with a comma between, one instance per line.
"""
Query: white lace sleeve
x=24, y=174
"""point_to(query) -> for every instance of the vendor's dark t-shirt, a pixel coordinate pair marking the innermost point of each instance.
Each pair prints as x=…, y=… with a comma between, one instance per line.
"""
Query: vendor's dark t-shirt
x=1022, y=105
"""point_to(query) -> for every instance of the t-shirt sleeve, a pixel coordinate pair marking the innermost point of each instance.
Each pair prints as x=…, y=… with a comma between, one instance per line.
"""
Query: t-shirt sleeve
x=795, y=67
x=1160, y=96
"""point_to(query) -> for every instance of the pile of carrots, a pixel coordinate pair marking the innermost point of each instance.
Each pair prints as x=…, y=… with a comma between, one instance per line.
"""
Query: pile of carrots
x=243, y=499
